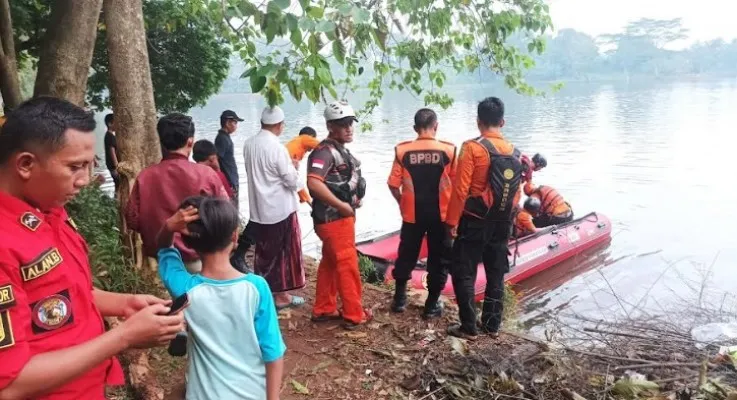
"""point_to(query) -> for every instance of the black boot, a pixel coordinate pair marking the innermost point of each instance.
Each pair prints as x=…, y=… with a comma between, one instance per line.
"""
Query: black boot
x=433, y=309
x=238, y=259
x=399, y=303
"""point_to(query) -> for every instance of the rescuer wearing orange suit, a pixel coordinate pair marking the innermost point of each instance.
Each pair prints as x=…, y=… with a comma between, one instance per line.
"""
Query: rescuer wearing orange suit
x=523, y=222
x=335, y=183
x=298, y=147
x=486, y=188
x=420, y=181
x=554, y=209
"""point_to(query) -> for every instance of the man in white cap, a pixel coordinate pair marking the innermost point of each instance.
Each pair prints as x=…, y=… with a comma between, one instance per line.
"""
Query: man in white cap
x=272, y=198
x=336, y=186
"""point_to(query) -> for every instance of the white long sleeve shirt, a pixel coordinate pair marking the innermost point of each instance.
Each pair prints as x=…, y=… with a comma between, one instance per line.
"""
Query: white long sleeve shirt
x=272, y=179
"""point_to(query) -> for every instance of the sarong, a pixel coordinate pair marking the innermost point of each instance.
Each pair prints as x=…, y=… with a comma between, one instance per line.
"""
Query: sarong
x=278, y=254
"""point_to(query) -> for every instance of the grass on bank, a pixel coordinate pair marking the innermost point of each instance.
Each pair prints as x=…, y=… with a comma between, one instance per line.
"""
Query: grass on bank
x=97, y=216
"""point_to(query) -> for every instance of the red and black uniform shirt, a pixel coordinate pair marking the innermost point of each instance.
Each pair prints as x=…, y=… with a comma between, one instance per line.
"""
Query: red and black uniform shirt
x=334, y=165
x=46, y=299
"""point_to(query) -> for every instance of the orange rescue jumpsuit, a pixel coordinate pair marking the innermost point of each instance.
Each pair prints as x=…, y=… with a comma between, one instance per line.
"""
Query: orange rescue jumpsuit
x=478, y=240
x=553, y=208
x=297, y=149
x=338, y=271
x=523, y=224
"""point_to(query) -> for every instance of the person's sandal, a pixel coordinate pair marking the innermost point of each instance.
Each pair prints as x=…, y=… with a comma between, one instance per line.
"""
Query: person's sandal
x=337, y=316
x=294, y=302
x=368, y=316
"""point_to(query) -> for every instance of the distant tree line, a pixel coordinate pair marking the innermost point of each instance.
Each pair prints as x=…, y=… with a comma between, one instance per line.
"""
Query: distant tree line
x=640, y=50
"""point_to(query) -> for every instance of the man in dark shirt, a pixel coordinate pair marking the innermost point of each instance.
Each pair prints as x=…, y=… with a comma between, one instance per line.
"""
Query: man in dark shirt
x=224, y=144
x=112, y=157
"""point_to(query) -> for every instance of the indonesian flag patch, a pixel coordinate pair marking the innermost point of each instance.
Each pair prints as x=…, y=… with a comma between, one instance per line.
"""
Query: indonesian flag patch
x=318, y=164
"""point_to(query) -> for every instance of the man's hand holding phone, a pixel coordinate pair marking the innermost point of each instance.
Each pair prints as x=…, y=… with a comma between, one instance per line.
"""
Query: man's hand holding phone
x=154, y=325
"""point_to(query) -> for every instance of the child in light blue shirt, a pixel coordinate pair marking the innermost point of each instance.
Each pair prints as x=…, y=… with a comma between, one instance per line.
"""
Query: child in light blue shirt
x=235, y=345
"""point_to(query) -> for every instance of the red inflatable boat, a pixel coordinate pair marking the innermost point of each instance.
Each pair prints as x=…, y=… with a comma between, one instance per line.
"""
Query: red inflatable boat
x=530, y=255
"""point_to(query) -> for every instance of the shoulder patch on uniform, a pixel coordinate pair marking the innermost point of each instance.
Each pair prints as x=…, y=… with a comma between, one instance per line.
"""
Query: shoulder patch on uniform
x=30, y=221
x=41, y=266
x=6, y=330
x=7, y=298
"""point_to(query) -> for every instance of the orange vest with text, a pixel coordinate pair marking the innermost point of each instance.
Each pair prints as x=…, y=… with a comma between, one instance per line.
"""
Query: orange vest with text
x=423, y=169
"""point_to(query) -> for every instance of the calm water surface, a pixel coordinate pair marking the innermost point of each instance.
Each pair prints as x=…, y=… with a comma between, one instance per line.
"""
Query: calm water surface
x=655, y=158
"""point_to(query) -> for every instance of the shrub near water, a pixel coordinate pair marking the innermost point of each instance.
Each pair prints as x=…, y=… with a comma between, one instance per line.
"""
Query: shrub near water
x=97, y=217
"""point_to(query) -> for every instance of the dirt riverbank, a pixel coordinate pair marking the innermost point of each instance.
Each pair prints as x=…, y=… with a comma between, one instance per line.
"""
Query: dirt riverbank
x=404, y=357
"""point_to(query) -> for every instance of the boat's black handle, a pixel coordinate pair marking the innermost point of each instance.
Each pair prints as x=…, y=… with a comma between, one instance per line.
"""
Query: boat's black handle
x=553, y=245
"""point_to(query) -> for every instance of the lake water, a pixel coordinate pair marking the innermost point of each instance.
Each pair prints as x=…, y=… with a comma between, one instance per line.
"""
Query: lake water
x=655, y=158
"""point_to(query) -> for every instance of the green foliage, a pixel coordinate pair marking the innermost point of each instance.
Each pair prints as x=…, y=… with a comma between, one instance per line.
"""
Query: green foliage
x=188, y=53
x=313, y=49
x=96, y=215
x=189, y=59
x=30, y=18
x=367, y=270
x=511, y=303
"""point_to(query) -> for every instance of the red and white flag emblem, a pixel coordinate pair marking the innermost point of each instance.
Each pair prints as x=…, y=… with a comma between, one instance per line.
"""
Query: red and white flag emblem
x=318, y=164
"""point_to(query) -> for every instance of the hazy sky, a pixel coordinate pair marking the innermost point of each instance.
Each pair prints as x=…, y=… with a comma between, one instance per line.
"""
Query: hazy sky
x=706, y=19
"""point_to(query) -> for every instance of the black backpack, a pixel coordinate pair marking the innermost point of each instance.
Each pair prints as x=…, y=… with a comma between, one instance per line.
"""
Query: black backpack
x=505, y=178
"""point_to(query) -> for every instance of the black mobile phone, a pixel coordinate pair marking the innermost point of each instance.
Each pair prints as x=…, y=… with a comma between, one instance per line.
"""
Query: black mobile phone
x=178, y=304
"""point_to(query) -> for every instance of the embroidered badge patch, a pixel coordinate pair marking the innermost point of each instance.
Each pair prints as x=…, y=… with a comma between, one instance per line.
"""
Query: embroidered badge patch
x=30, y=221
x=7, y=298
x=42, y=265
x=52, y=312
x=6, y=330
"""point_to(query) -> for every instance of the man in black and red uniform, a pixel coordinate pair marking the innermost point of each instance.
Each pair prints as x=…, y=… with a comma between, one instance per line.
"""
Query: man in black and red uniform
x=53, y=343
x=420, y=181
x=486, y=188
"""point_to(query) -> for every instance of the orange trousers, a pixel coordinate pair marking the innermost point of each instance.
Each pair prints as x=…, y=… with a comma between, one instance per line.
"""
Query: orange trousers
x=338, y=271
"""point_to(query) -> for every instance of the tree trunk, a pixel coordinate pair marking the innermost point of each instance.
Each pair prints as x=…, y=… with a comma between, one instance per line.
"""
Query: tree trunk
x=66, y=53
x=132, y=96
x=9, y=82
